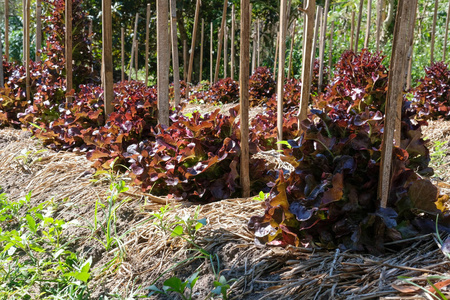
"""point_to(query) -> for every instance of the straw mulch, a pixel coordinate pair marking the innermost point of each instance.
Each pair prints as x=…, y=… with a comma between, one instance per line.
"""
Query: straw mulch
x=253, y=271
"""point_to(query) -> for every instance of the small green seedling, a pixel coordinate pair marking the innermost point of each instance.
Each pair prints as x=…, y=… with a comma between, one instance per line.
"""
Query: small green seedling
x=261, y=196
x=221, y=287
x=175, y=285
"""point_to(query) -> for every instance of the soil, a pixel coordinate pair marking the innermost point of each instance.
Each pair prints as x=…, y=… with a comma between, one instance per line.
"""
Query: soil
x=149, y=254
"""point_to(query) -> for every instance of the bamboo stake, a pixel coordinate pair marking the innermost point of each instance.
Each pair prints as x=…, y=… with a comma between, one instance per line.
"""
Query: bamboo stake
x=68, y=48
x=185, y=63
x=330, y=53
x=133, y=45
x=409, y=72
x=402, y=38
x=163, y=61
x=352, y=30
x=175, y=59
x=322, y=44
x=90, y=35
x=433, y=31
x=122, y=54
x=369, y=16
x=38, y=30
x=225, y=52
x=201, y=51
x=319, y=13
x=379, y=21
x=310, y=7
x=2, y=79
x=194, y=37
x=24, y=13
x=276, y=55
x=7, y=30
x=446, y=32
x=211, y=52
x=258, y=43
x=27, y=49
x=244, y=97
x=233, y=29
x=147, y=42
x=108, y=84
x=358, y=26
x=253, y=53
x=136, y=63
x=280, y=82
x=291, y=50
x=219, y=50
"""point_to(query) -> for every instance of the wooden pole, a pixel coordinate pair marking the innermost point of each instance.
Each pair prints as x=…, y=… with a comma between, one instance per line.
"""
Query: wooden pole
x=122, y=39
x=24, y=4
x=38, y=30
x=258, y=43
x=27, y=49
x=319, y=13
x=200, y=75
x=211, y=52
x=68, y=48
x=402, y=37
x=291, y=50
x=163, y=61
x=133, y=45
x=446, y=32
x=276, y=55
x=409, y=72
x=280, y=82
x=108, y=84
x=185, y=61
x=219, y=50
x=433, y=31
x=90, y=35
x=352, y=34
x=233, y=29
x=253, y=52
x=330, y=53
x=244, y=96
x=358, y=26
x=175, y=59
x=7, y=30
x=136, y=63
x=225, y=52
x=379, y=22
x=252, y=38
x=310, y=7
x=2, y=79
x=323, y=35
x=147, y=42
x=369, y=17
x=194, y=37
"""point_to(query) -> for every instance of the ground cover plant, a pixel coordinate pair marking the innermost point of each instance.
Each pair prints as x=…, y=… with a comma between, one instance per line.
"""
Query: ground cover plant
x=35, y=257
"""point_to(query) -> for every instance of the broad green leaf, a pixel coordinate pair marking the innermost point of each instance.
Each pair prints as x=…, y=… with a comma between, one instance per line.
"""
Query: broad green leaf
x=177, y=231
x=31, y=223
x=173, y=284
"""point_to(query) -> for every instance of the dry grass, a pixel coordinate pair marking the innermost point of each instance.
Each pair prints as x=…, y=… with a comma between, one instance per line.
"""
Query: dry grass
x=259, y=272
